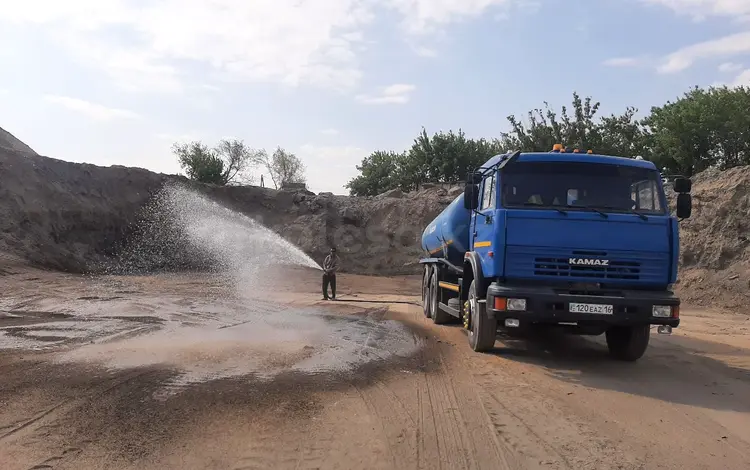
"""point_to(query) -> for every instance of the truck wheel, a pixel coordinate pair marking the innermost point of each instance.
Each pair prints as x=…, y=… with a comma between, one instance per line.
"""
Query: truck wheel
x=439, y=317
x=483, y=330
x=426, y=295
x=628, y=343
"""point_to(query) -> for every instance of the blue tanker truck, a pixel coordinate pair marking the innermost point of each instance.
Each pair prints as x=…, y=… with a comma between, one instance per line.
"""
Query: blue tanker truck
x=564, y=239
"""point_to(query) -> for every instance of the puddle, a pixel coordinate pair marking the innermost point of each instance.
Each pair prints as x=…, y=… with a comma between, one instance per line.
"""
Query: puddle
x=177, y=324
x=309, y=341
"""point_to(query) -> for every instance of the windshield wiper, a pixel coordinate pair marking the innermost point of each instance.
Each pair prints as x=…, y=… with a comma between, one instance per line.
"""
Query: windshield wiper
x=631, y=210
x=545, y=207
x=583, y=206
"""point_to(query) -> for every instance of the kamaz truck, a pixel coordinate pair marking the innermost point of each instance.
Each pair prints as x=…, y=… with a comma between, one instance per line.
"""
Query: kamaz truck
x=565, y=239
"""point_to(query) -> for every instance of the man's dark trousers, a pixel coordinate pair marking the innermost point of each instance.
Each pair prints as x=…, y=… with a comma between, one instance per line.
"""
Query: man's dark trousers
x=329, y=279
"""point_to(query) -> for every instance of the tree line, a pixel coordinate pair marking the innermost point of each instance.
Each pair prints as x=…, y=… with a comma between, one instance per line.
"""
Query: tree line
x=702, y=129
x=233, y=162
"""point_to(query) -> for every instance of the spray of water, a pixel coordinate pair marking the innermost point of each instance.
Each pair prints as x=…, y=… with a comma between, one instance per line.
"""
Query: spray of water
x=237, y=241
x=184, y=229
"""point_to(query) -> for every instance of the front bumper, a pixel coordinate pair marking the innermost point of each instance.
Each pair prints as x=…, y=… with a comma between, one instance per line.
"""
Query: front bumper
x=550, y=305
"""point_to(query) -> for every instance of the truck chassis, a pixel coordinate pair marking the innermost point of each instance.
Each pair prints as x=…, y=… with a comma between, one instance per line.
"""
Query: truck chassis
x=452, y=293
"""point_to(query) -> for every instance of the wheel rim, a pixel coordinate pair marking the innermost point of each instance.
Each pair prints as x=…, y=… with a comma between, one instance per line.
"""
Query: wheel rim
x=426, y=288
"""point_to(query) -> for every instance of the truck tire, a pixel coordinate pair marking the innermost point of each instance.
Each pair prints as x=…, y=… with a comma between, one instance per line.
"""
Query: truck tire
x=483, y=330
x=439, y=317
x=628, y=343
x=426, y=294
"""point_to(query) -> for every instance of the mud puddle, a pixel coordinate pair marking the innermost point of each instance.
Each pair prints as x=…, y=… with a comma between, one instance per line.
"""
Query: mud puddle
x=199, y=328
x=308, y=341
x=200, y=342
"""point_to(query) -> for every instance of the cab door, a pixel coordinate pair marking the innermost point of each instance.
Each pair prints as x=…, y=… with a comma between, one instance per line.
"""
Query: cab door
x=483, y=235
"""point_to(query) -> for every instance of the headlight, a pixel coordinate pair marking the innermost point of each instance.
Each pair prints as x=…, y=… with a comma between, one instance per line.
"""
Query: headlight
x=517, y=305
x=661, y=311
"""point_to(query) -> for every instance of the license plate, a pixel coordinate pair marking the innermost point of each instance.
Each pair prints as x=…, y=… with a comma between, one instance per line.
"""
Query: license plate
x=592, y=308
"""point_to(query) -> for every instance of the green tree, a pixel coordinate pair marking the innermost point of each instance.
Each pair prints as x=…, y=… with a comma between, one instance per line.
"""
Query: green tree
x=379, y=172
x=227, y=163
x=444, y=157
x=200, y=163
x=702, y=129
x=621, y=135
x=238, y=159
x=283, y=167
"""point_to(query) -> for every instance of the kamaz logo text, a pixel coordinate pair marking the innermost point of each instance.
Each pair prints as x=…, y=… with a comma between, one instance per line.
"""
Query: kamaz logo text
x=588, y=262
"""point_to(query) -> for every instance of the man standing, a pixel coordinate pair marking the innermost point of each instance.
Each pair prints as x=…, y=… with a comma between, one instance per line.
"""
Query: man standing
x=330, y=266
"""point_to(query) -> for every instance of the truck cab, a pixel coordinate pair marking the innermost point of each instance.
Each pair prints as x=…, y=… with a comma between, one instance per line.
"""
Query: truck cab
x=573, y=240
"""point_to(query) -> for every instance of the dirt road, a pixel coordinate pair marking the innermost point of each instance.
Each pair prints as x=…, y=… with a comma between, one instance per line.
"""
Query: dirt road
x=192, y=371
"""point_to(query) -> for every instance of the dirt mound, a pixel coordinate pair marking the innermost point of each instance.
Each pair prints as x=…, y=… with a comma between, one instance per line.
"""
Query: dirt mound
x=78, y=217
x=65, y=215
x=9, y=142
x=715, y=241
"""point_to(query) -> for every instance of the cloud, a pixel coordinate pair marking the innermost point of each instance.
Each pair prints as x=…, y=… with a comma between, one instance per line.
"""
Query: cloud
x=130, y=69
x=91, y=110
x=622, y=62
x=182, y=138
x=209, y=87
x=423, y=51
x=399, y=93
x=701, y=9
x=160, y=45
x=726, y=46
x=269, y=40
x=743, y=79
x=730, y=67
x=427, y=16
x=329, y=168
x=330, y=131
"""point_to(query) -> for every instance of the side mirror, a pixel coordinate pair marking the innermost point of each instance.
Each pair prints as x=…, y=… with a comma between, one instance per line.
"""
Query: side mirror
x=684, y=205
x=682, y=185
x=474, y=178
x=471, y=196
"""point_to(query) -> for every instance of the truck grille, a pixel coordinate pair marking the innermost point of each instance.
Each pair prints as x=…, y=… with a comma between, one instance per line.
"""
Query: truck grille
x=640, y=267
x=560, y=267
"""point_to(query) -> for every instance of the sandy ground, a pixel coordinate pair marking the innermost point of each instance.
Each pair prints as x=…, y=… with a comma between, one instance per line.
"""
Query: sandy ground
x=189, y=371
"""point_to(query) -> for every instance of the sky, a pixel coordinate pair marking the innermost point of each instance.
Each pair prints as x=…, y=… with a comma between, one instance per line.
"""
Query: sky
x=118, y=82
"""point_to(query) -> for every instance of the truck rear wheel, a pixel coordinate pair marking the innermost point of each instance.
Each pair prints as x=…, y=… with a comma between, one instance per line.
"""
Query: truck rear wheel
x=426, y=295
x=439, y=317
x=628, y=343
x=483, y=330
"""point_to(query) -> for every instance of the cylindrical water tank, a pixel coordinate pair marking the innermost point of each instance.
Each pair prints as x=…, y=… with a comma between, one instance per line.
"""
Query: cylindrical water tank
x=447, y=236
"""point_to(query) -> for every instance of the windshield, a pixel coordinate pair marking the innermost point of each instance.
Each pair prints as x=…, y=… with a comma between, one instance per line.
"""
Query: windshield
x=615, y=188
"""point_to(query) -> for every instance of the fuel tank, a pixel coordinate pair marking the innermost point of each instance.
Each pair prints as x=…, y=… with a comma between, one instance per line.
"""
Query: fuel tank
x=447, y=236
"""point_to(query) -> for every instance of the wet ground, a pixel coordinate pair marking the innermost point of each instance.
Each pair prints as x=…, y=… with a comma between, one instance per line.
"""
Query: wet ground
x=200, y=328
x=195, y=371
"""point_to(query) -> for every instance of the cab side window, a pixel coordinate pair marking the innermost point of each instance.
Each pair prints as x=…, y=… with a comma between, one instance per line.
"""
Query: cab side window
x=645, y=195
x=488, y=195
